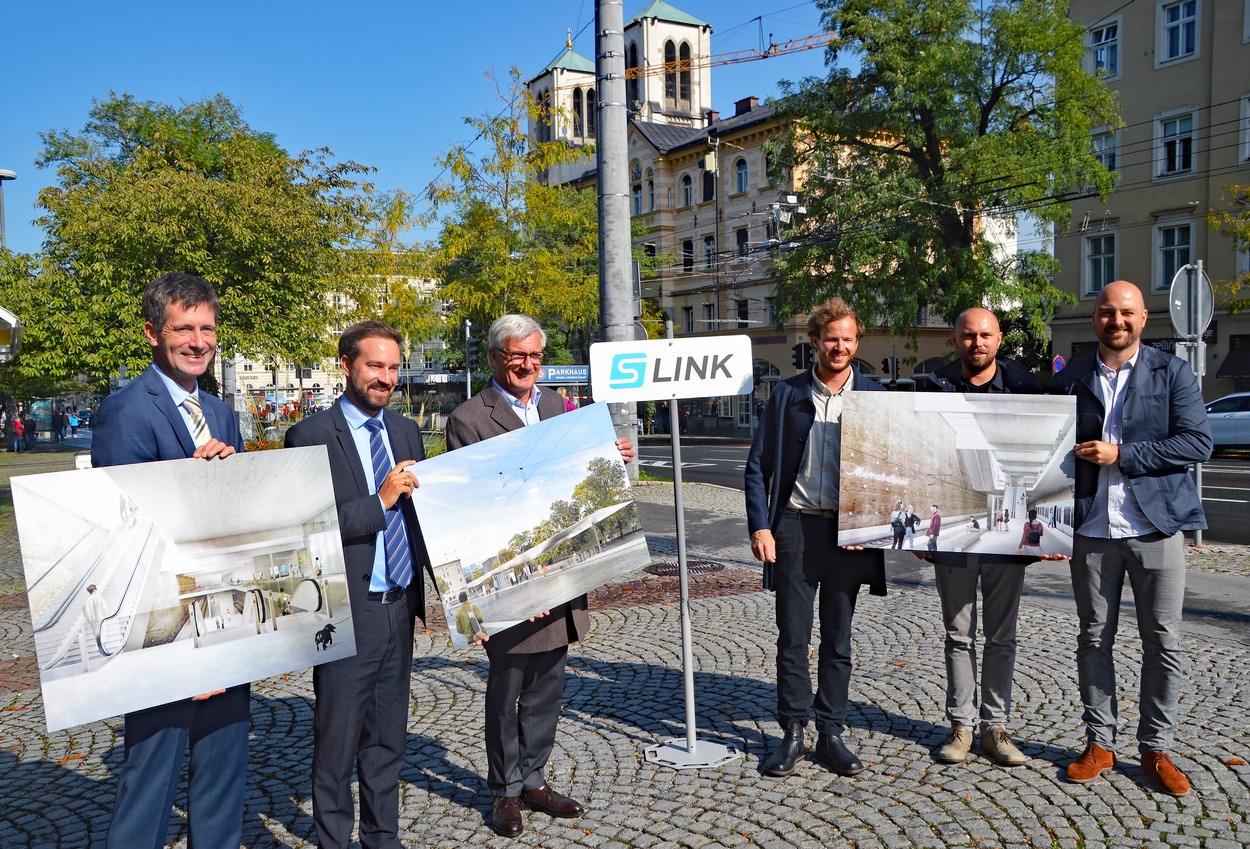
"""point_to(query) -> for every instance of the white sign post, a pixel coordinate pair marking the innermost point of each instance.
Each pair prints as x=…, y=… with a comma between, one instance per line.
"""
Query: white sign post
x=666, y=370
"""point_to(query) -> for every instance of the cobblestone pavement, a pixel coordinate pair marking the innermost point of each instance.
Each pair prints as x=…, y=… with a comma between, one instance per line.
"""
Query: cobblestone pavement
x=624, y=691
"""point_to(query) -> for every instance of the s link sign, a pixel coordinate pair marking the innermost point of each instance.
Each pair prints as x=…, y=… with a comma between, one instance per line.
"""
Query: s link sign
x=663, y=369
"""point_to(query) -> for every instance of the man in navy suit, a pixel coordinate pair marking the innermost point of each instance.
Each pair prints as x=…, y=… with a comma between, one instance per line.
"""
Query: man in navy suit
x=1140, y=423
x=162, y=415
x=792, y=479
x=361, y=715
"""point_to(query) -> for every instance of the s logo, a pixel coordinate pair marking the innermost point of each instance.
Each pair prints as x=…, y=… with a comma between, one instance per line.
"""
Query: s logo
x=628, y=371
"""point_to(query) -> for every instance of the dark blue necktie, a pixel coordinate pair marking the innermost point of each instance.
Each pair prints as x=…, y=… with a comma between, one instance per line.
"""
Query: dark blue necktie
x=395, y=539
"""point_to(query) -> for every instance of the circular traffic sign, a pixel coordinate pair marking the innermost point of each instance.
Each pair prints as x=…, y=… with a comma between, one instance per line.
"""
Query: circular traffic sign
x=1191, y=300
x=1058, y=363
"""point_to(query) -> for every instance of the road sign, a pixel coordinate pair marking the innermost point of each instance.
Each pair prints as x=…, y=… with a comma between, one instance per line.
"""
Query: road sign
x=1058, y=363
x=1191, y=300
x=664, y=369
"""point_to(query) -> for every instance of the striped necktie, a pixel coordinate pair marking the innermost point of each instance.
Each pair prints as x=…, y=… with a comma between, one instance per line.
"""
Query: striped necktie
x=199, y=425
x=395, y=539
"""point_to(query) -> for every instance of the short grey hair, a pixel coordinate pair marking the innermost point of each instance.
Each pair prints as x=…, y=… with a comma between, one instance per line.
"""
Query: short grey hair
x=513, y=326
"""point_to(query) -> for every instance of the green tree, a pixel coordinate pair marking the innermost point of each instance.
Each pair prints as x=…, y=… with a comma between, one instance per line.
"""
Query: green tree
x=146, y=188
x=1232, y=220
x=961, y=116
x=509, y=242
x=607, y=484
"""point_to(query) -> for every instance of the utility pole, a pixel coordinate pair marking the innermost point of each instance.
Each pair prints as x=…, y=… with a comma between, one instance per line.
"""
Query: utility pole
x=616, y=319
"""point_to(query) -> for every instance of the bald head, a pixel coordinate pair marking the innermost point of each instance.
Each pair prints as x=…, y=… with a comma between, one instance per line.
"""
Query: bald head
x=1119, y=316
x=977, y=337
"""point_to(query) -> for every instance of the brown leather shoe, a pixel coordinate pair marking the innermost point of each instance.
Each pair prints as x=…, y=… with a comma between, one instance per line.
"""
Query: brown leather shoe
x=550, y=802
x=505, y=816
x=1159, y=766
x=1093, y=762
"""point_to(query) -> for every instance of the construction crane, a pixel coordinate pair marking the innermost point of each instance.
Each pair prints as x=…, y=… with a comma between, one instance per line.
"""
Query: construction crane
x=797, y=45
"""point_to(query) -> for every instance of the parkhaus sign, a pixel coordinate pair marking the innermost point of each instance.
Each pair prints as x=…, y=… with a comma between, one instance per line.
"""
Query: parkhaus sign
x=664, y=369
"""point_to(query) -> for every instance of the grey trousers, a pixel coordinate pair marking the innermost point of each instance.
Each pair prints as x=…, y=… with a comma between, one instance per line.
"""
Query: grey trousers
x=1001, y=585
x=524, y=695
x=1155, y=565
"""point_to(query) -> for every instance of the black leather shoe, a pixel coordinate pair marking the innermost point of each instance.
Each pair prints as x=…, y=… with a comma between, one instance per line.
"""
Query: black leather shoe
x=505, y=816
x=785, y=758
x=550, y=802
x=831, y=751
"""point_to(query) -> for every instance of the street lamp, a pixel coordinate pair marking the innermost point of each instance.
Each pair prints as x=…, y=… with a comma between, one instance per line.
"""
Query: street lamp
x=5, y=174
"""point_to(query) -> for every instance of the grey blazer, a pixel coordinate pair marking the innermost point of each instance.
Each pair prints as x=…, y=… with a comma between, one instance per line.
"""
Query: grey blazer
x=489, y=414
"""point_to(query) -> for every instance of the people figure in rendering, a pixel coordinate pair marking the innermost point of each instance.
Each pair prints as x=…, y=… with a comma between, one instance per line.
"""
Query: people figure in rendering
x=469, y=620
x=1031, y=538
x=979, y=370
x=911, y=524
x=792, y=479
x=935, y=527
x=1141, y=423
x=163, y=415
x=94, y=611
x=898, y=524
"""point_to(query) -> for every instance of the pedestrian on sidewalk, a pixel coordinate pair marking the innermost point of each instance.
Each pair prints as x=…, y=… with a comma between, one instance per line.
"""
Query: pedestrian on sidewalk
x=792, y=515
x=978, y=369
x=1140, y=422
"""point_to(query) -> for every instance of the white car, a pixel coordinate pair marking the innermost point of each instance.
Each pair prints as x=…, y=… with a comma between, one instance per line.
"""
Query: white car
x=1230, y=421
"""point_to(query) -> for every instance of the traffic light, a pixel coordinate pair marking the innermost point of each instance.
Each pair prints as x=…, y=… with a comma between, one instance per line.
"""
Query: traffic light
x=885, y=365
x=473, y=353
x=802, y=356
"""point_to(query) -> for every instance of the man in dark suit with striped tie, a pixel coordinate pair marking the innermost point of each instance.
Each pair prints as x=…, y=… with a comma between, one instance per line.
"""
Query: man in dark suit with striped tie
x=162, y=415
x=361, y=715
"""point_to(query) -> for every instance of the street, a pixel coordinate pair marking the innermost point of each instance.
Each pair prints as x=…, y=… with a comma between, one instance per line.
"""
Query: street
x=722, y=461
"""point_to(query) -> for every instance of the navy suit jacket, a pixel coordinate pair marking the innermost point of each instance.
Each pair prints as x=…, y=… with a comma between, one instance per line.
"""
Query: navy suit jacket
x=140, y=423
x=1165, y=429
x=777, y=450
x=361, y=516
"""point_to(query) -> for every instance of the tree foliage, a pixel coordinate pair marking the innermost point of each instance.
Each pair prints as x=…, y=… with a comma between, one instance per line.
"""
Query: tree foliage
x=960, y=114
x=510, y=242
x=146, y=188
x=1232, y=220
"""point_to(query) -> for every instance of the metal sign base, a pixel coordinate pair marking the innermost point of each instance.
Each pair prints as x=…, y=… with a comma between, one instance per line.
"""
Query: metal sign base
x=674, y=753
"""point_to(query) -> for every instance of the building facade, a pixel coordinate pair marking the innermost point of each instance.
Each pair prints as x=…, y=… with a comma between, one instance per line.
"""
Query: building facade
x=714, y=209
x=1179, y=69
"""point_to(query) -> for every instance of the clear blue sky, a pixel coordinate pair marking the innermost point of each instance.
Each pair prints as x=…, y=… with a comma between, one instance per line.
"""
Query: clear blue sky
x=382, y=82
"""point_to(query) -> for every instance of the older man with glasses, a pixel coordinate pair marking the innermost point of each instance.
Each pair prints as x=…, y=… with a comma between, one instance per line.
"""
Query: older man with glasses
x=525, y=682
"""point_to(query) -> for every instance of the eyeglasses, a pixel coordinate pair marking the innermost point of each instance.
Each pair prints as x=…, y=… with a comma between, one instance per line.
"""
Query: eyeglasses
x=517, y=357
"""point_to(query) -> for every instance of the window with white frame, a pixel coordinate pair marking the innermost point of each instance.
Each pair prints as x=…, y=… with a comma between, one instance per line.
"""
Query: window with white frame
x=770, y=310
x=1178, y=30
x=1172, y=246
x=741, y=241
x=650, y=191
x=687, y=190
x=740, y=176
x=1174, y=151
x=709, y=316
x=1243, y=137
x=687, y=255
x=687, y=319
x=1100, y=261
x=709, y=252
x=636, y=191
x=1105, y=146
x=1104, y=50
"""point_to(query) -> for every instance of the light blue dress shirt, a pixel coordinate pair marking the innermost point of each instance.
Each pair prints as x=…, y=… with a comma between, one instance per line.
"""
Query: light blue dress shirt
x=356, y=418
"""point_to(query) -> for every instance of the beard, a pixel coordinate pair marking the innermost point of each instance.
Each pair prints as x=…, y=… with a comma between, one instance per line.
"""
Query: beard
x=370, y=396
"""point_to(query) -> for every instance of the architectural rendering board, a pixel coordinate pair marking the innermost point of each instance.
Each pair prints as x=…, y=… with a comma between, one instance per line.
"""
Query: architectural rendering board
x=154, y=582
x=525, y=521
x=981, y=463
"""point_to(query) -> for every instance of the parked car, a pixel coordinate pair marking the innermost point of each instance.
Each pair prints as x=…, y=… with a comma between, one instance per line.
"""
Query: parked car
x=84, y=418
x=1230, y=421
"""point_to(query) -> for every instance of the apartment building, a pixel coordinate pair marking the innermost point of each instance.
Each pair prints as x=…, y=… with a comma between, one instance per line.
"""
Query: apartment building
x=1181, y=70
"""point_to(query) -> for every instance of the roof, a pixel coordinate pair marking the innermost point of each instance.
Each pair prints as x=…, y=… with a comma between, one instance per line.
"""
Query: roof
x=665, y=12
x=666, y=138
x=567, y=61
